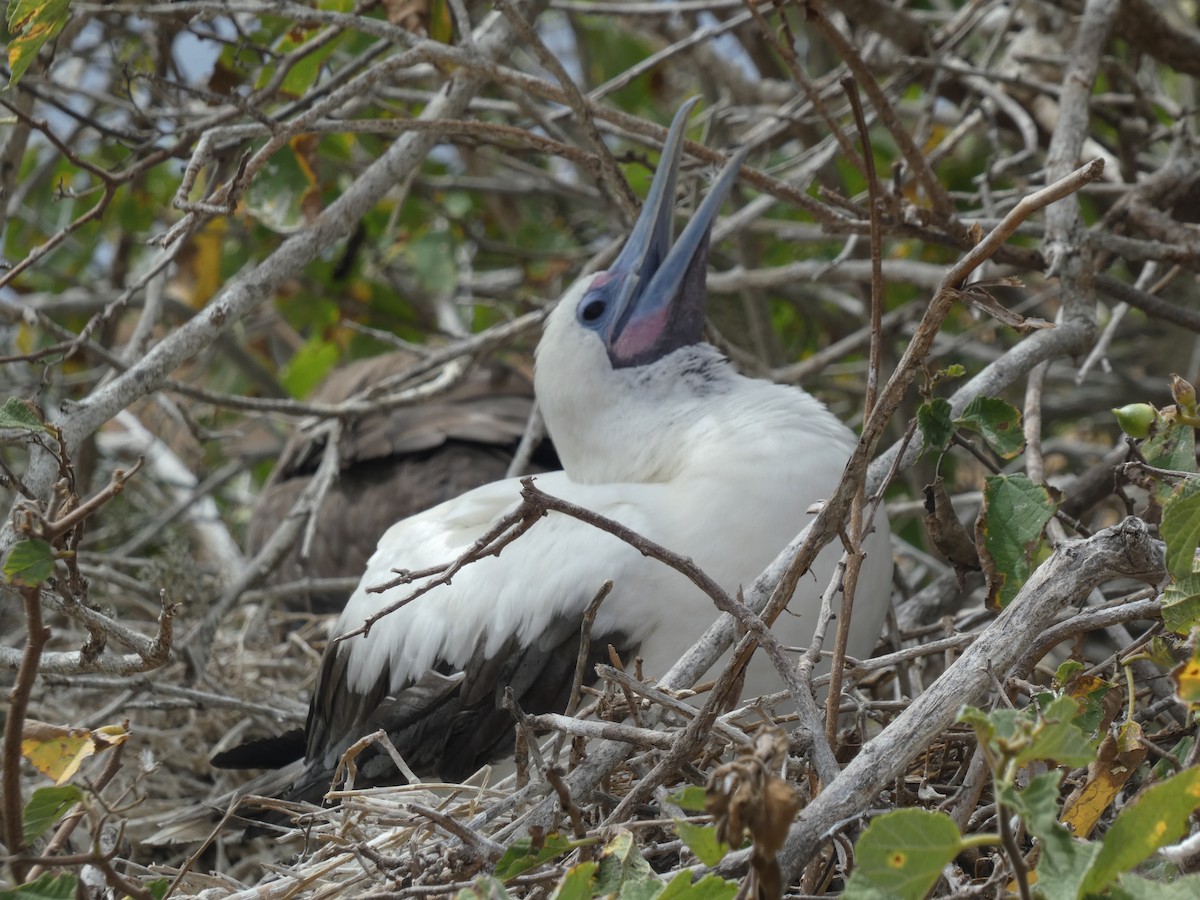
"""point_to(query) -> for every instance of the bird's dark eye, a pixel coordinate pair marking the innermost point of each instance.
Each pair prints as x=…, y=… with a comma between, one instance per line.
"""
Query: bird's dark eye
x=592, y=310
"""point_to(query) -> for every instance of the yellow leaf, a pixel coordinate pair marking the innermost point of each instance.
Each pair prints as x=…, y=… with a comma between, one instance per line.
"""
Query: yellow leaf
x=198, y=265
x=26, y=338
x=1117, y=760
x=1187, y=681
x=57, y=751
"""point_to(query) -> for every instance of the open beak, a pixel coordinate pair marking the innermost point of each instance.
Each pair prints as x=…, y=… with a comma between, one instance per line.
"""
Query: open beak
x=660, y=289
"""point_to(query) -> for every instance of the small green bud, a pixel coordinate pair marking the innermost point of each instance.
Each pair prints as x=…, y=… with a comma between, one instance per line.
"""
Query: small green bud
x=1136, y=418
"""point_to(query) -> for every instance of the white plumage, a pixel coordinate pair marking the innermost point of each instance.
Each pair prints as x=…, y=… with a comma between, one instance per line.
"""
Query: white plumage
x=655, y=430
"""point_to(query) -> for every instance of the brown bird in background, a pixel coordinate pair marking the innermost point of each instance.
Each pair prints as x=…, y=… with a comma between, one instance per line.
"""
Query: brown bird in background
x=394, y=463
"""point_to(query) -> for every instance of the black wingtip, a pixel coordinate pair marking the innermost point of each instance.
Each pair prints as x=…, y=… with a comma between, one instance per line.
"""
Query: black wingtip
x=263, y=753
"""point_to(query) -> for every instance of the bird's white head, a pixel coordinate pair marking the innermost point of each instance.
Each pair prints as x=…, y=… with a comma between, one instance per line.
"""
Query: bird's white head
x=623, y=357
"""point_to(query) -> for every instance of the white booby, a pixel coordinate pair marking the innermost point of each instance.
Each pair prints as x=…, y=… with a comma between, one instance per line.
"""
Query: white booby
x=656, y=430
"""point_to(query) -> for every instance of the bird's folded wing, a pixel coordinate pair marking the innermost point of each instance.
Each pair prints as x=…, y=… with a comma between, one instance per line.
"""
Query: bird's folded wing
x=448, y=723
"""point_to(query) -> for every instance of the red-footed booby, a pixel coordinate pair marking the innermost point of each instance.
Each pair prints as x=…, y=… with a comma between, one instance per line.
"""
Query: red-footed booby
x=656, y=430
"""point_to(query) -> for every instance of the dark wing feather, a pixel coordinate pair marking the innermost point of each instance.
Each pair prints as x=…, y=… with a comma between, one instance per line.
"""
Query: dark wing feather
x=263, y=753
x=366, y=500
x=447, y=723
x=394, y=464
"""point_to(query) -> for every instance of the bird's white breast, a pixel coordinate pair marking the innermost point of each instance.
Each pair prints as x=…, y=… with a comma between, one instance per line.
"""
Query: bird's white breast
x=753, y=463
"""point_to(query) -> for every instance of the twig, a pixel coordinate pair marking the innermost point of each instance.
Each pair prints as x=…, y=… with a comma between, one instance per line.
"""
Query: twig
x=50, y=530
x=854, y=550
x=610, y=173
x=610, y=731
x=1015, y=857
x=489, y=848
x=36, y=637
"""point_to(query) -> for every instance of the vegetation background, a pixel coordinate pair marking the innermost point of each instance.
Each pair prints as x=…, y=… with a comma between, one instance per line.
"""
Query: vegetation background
x=208, y=206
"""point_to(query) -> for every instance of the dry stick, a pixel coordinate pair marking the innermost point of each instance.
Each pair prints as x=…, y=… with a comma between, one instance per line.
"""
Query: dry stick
x=1084, y=622
x=483, y=844
x=375, y=398
x=785, y=51
x=1075, y=569
x=150, y=652
x=199, y=641
x=49, y=530
x=942, y=203
x=37, y=636
x=823, y=758
x=756, y=629
x=855, y=554
x=1067, y=252
x=531, y=437
x=609, y=731
x=585, y=643
x=797, y=372
x=700, y=729
x=609, y=171
x=1148, y=303
x=506, y=530
x=581, y=658
x=668, y=702
x=829, y=520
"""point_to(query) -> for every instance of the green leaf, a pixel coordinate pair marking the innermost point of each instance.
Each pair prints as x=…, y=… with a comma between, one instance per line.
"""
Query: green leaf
x=693, y=798
x=902, y=853
x=934, y=418
x=1134, y=887
x=702, y=840
x=29, y=563
x=158, y=887
x=48, y=887
x=431, y=257
x=18, y=413
x=998, y=421
x=577, y=883
x=1057, y=738
x=32, y=23
x=1064, y=864
x=1159, y=816
x=710, y=887
x=1036, y=803
x=1064, y=861
x=1030, y=734
x=303, y=75
x=276, y=195
x=1181, y=604
x=458, y=204
x=520, y=856
x=624, y=872
x=1066, y=671
x=1171, y=445
x=308, y=365
x=1009, y=528
x=46, y=807
x=1092, y=710
x=1177, y=757
x=1181, y=527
